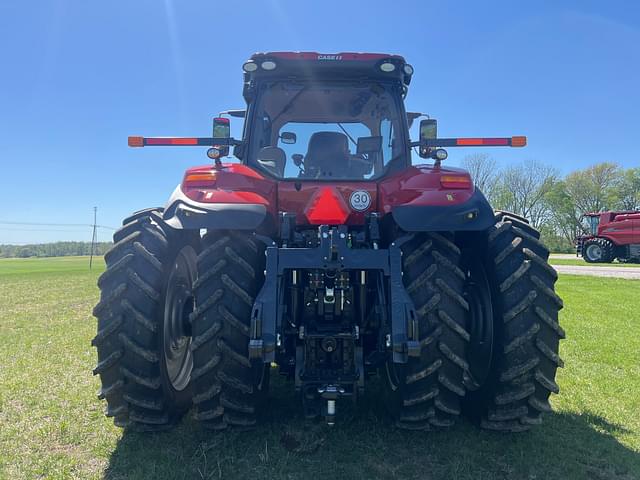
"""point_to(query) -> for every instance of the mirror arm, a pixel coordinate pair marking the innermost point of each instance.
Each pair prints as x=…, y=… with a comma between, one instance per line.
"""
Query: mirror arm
x=517, y=141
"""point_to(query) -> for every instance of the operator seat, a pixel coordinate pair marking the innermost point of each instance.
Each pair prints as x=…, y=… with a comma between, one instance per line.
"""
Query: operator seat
x=273, y=160
x=327, y=155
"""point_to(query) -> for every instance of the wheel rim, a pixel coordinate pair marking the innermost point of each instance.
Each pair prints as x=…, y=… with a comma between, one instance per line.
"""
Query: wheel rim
x=179, y=303
x=480, y=325
x=594, y=252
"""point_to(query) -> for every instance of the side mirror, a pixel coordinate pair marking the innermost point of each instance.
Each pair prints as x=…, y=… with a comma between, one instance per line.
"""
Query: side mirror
x=288, y=138
x=428, y=131
x=222, y=129
x=367, y=145
x=297, y=159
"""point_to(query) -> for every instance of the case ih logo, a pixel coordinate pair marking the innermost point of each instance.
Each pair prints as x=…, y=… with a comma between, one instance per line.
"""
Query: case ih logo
x=329, y=57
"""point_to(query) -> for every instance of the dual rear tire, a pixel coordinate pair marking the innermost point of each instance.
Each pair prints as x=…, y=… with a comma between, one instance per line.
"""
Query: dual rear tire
x=157, y=353
x=488, y=320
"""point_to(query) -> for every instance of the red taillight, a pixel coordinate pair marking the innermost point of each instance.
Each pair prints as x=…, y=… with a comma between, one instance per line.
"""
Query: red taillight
x=455, y=181
x=171, y=141
x=326, y=208
x=476, y=142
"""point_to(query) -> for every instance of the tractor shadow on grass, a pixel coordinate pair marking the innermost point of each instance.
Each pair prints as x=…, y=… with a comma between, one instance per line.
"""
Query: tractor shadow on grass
x=366, y=444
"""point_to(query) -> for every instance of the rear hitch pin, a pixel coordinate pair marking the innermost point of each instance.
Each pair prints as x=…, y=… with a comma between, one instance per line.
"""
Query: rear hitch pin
x=331, y=394
x=331, y=412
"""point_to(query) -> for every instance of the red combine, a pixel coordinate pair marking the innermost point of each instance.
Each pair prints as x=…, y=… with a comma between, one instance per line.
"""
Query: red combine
x=322, y=250
x=611, y=235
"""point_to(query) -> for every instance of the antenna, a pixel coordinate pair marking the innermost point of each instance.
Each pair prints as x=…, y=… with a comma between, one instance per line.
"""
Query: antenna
x=93, y=236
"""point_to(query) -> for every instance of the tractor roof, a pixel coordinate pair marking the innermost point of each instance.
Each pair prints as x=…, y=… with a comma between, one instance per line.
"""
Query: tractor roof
x=315, y=56
x=328, y=66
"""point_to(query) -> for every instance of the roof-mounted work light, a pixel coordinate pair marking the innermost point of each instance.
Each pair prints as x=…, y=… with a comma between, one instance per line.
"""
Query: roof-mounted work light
x=387, y=67
x=250, y=66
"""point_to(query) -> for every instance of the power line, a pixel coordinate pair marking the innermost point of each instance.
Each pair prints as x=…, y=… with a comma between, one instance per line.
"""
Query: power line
x=10, y=243
x=36, y=224
x=13, y=229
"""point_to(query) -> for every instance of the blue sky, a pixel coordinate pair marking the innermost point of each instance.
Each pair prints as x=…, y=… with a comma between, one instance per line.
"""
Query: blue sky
x=79, y=76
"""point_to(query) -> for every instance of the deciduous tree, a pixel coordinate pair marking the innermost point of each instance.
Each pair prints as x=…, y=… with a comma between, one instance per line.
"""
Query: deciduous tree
x=522, y=188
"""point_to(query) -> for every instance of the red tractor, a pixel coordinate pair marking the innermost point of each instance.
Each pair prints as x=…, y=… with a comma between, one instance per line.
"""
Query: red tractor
x=323, y=251
x=611, y=235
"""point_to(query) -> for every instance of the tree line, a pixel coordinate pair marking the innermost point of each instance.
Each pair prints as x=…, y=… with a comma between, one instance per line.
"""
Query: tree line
x=553, y=203
x=56, y=249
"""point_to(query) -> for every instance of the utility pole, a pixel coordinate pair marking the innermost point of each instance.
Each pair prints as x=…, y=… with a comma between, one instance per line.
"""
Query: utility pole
x=93, y=235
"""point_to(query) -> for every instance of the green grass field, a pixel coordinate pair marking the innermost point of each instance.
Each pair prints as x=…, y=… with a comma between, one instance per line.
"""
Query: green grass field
x=52, y=425
x=59, y=265
x=581, y=262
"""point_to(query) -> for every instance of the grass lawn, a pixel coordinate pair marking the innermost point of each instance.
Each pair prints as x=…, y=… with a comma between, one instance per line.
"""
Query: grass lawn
x=581, y=262
x=52, y=426
x=60, y=265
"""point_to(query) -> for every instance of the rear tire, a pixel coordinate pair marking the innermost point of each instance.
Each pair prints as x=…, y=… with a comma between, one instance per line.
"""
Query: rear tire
x=132, y=318
x=228, y=388
x=598, y=250
x=426, y=391
x=526, y=330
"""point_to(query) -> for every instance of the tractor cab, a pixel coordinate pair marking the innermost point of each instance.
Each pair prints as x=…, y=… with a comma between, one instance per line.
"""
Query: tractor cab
x=326, y=117
x=589, y=223
x=328, y=132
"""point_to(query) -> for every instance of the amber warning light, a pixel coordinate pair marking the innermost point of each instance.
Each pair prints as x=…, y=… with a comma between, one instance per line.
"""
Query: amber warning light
x=136, y=141
x=519, y=141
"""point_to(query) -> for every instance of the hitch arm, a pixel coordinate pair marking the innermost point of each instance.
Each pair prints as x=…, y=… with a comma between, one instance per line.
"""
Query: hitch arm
x=517, y=141
x=181, y=141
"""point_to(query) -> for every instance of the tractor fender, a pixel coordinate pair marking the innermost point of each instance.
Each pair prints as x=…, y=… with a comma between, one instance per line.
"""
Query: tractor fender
x=183, y=213
x=475, y=214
